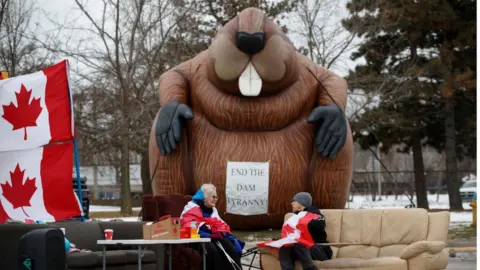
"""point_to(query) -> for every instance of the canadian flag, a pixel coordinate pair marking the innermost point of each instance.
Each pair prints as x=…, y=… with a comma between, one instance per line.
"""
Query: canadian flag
x=192, y=211
x=294, y=230
x=36, y=109
x=36, y=184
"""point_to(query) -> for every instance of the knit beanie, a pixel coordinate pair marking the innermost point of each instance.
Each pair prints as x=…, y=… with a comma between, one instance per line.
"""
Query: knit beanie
x=303, y=198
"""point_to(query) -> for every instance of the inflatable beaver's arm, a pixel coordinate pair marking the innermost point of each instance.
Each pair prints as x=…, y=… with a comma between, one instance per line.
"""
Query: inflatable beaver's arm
x=332, y=161
x=329, y=117
x=167, y=133
x=335, y=85
x=173, y=84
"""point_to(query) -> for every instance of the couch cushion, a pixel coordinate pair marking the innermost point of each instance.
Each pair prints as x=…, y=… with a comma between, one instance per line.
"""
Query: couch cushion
x=123, y=229
x=391, y=250
x=361, y=226
x=83, y=234
x=390, y=263
x=114, y=257
x=334, y=252
x=77, y=260
x=333, y=219
x=80, y=260
x=148, y=256
x=358, y=251
x=438, y=226
x=403, y=226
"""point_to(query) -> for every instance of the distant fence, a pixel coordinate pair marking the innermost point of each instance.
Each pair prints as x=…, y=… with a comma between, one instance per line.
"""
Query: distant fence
x=112, y=192
x=399, y=182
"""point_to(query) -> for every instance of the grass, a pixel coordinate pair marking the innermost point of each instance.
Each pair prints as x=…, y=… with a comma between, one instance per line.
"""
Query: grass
x=250, y=236
x=461, y=231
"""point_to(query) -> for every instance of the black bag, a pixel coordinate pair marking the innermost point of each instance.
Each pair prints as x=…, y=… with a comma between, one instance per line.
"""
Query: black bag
x=42, y=249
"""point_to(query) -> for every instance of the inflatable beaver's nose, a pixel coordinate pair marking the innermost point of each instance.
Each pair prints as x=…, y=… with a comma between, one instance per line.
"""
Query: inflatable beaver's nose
x=250, y=43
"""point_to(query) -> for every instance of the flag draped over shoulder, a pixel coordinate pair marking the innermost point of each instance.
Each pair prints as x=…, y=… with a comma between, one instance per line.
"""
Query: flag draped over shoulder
x=36, y=184
x=192, y=211
x=36, y=109
x=294, y=230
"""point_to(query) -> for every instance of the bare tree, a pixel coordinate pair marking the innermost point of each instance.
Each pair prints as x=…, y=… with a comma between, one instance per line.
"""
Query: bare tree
x=119, y=54
x=319, y=25
x=3, y=10
x=19, y=52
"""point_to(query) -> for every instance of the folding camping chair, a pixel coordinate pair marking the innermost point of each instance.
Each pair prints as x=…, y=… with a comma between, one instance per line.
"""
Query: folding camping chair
x=248, y=252
x=255, y=252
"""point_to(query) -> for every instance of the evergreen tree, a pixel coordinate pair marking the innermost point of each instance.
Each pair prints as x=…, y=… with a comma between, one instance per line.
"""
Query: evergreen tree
x=402, y=70
x=453, y=35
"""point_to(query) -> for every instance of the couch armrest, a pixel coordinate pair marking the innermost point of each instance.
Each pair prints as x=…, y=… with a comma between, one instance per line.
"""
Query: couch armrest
x=429, y=261
x=420, y=247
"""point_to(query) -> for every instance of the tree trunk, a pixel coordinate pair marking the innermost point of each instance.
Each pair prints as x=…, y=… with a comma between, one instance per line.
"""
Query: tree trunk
x=451, y=155
x=446, y=54
x=95, y=183
x=145, y=174
x=420, y=184
x=126, y=195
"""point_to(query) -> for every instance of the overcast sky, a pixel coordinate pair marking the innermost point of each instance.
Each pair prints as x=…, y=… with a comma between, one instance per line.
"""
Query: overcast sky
x=66, y=12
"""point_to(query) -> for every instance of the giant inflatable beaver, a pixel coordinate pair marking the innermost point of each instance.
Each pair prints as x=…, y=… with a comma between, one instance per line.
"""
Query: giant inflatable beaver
x=252, y=97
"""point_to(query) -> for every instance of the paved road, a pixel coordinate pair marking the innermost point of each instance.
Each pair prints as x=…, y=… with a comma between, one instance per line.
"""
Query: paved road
x=463, y=261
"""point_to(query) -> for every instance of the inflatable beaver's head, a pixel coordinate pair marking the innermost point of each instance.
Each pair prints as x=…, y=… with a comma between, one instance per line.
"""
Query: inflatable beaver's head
x=251, y=56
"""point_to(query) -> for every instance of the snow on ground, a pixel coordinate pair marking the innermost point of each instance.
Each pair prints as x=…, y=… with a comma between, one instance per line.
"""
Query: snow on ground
x=101, y=208
x=358, y=202
x=460, y=217
x=365, y=201
x=123, y=218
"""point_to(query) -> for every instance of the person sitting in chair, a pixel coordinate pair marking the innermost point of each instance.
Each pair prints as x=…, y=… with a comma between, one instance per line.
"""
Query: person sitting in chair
x=300, y=232
x=316, y=227
x=202, y=210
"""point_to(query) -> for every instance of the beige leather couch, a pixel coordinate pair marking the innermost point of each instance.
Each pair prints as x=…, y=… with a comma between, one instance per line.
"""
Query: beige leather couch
x=392, y=239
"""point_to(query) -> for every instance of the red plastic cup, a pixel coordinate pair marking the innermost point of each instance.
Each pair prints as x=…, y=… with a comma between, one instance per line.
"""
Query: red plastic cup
x=185, y=233
x=108, y=234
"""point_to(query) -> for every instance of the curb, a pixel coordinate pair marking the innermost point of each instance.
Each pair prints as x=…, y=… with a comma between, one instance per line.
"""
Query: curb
x=471, y=249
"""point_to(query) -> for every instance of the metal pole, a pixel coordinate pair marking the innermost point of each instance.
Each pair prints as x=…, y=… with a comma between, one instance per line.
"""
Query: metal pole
x=139, y=257
x=77, y=169
x=377, y=172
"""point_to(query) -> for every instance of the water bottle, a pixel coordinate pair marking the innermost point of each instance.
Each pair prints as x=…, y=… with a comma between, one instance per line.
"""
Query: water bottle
x=193, y=228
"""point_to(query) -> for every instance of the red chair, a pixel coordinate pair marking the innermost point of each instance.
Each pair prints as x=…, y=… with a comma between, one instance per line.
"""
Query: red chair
x=154, y=207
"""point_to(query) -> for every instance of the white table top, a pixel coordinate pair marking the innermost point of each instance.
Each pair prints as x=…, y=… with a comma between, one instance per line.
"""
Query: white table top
x=153, y=242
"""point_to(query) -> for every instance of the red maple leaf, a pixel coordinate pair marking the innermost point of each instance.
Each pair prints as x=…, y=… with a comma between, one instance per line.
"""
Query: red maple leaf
x=26, y=114
x=19, y=193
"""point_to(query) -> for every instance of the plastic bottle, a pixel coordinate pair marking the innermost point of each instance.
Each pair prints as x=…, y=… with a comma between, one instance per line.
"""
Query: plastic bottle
x=68, y=245
x=193, y=229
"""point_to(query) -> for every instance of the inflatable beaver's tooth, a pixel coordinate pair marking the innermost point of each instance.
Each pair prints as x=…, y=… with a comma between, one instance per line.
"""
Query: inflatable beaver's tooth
x=251, y=97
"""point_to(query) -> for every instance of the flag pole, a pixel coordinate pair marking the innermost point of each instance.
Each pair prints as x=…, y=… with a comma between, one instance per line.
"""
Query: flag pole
x=77, y=170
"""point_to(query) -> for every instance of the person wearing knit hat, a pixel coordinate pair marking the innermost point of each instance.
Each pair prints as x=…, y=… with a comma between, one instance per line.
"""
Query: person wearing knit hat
x=302, y=201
